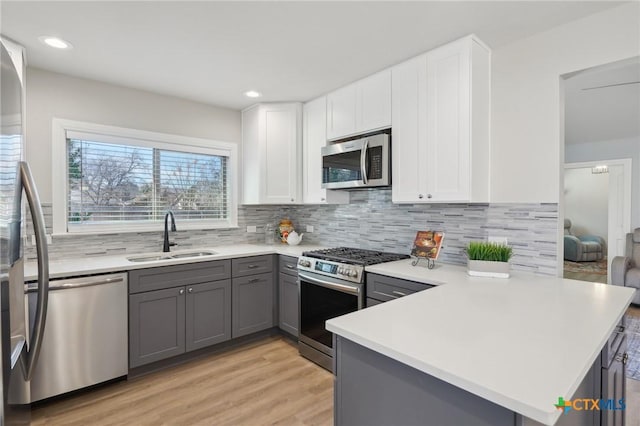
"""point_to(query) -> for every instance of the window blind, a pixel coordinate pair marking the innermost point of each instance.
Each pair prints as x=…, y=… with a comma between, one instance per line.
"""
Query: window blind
x=110, y=183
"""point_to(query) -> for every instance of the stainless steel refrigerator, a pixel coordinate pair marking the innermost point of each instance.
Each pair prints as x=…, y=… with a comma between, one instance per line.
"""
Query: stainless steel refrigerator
x=20, y=340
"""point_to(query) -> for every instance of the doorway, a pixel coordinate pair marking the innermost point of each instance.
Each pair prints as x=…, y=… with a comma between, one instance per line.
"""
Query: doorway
x=597, y=202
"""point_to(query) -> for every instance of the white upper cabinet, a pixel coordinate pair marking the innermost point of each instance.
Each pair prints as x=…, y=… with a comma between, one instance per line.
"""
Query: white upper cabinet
x=441, y=105
x=360, y=107
x=271, y=153
x=314, y=138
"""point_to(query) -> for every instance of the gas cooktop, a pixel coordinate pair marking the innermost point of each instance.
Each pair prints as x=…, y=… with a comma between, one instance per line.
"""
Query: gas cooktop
x=354, y=256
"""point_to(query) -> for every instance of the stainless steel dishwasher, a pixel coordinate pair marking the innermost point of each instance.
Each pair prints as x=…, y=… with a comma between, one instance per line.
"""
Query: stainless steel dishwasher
x=85, y=339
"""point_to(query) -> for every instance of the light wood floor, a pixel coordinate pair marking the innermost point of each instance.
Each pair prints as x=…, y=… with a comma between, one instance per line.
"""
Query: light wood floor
x=263, y=383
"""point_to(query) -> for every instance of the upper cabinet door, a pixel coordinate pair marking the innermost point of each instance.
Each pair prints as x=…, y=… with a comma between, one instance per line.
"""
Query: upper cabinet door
x=314, y=137
x=341, y=112
x=441, y=104
x=360, y=107
x=409, y=147
x=271, y=145
x=448, y=122
x=373, y=104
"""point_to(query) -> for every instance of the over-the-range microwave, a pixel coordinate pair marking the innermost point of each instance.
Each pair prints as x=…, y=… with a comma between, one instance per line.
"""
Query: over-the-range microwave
x=359, y=163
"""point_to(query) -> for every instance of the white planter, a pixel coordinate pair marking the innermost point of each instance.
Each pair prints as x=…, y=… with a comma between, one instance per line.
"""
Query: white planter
x=483, y=268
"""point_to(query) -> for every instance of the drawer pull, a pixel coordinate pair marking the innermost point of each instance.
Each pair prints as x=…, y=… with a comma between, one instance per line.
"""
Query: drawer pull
x=289, y=266
x=252, y=266
x=387, y=295
x=253, y=280
x=399, y=293
x=621, y=329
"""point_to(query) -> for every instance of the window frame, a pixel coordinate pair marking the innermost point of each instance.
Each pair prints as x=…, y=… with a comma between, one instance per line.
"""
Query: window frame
x=142, y=138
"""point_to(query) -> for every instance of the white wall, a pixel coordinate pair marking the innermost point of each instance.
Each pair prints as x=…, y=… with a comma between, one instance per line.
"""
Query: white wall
x=51, y=95
x=526, y=151
x=612, y=150
x=586, y=198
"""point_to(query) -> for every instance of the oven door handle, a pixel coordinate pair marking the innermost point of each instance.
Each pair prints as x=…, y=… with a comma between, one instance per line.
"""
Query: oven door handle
x=345, y=288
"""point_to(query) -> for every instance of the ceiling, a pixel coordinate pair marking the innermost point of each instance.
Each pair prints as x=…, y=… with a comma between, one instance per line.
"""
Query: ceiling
x=603, y=113
x=212, y=52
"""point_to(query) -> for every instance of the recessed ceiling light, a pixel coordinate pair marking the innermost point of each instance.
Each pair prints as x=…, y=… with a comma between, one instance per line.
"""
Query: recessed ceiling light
x=252, y=94
x=56, y=42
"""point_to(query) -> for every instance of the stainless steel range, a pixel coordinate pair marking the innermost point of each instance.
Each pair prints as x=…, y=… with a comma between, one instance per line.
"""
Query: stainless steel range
x=331, y=284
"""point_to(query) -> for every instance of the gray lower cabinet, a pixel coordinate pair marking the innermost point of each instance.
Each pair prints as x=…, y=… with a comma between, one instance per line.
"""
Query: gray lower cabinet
x=176, y=309
x=252, y=301
x=208, y=314
x=613, y=386
x=381, y=288
x=156, y=325
x=288, y=295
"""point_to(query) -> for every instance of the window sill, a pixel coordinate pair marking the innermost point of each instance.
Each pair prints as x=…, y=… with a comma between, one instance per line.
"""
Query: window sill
x=144, y=229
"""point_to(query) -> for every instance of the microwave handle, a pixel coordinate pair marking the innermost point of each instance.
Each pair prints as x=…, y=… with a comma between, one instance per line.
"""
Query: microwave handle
x=363, y=161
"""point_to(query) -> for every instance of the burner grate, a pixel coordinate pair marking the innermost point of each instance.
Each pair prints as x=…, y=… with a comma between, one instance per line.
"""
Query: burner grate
x=355, y=256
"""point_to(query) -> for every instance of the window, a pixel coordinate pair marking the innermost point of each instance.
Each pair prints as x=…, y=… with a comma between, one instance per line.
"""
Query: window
x=118, y=183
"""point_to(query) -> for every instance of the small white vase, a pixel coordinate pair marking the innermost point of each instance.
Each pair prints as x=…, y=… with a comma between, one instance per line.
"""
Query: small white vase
x=484, y=268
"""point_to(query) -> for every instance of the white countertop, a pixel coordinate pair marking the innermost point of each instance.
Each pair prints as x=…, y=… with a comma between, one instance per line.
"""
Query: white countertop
x=440, y=274
x=520, y=342
x=107, y=264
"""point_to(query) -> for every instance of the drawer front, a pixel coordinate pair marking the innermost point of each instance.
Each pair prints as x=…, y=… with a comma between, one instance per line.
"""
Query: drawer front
x=289, y=265
x=251, y=265
x=384, y=288
x=613, y=344
x=162, y=277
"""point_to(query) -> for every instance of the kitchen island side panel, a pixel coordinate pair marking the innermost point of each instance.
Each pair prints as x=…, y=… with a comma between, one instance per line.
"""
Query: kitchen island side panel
x=372, y=389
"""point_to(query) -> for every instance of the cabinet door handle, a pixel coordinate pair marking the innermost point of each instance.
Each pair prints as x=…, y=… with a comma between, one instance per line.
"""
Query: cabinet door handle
x=253, y=280
x=420, y=196
x=252, y=266
x=399, y=293
x=625, y=358
x=190, y=290
x=181, y=291
x=322, y=199
x=428, y=195
x=621, y=329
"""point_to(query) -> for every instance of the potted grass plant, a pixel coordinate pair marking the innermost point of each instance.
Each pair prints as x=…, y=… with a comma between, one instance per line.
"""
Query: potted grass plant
x=487, y=259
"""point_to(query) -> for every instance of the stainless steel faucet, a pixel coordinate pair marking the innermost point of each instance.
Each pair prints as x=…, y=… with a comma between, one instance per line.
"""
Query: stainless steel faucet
x=167, y=244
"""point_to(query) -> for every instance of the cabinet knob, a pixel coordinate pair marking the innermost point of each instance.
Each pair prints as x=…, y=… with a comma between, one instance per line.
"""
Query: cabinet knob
x=293, y=199
x=625, y=358
x=420, y=196
x=428, y=195
x=181, y=291
x=190, y=290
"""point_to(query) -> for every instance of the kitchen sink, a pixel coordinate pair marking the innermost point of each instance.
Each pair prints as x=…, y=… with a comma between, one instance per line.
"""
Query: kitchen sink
x=193, y=254
x=169, y=256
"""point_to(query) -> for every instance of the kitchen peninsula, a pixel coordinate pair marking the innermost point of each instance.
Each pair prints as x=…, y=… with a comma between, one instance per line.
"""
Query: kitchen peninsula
x=474, y=350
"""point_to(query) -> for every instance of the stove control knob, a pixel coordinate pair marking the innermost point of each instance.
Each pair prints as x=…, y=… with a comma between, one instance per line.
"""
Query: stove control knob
x=341, y=270
x=353, y=273
x=304, y=263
